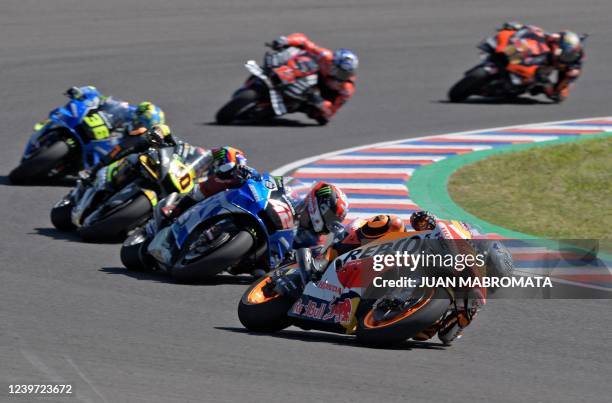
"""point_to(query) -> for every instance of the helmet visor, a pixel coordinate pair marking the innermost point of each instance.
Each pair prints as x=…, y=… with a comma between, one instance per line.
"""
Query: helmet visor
x=341, y=74
x=569, y=56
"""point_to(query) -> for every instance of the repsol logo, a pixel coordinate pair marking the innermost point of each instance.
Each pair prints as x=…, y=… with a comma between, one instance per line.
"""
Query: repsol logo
x=409, y=244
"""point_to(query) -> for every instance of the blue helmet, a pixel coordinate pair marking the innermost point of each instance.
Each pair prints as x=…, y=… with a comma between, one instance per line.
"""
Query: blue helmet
x=345, y=64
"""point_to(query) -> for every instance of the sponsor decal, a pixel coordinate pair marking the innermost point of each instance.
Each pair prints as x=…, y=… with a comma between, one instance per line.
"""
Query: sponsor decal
x=324, y=285
x=340, y=311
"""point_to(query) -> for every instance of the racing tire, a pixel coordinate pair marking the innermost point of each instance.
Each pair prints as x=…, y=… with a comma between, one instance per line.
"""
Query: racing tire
x=228, y=254
x=237, y=106
x=61, y=217
x=419, y=317
x=114, y=227
x=259, y=313
x=132, y=256
x=40, y=164
x=468, y=85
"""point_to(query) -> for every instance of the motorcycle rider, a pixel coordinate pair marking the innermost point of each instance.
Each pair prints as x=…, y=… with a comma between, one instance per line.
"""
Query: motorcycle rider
x=363, y=231
x=146, y=129
x=498, y=263
x=356, y=234
x=118, y=112
x=320, y=212
x=535, y=54
x=228, y=169
x=336, y=74
x=159, y=136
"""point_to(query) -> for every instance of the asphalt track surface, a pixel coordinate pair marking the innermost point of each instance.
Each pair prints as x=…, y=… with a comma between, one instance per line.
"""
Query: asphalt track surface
x=70, y=314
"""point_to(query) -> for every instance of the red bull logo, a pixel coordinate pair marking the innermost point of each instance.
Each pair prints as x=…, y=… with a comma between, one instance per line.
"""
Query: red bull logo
x=340, y=311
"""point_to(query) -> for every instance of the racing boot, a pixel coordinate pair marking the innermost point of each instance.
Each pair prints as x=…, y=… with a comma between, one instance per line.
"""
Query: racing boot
x=453, y=324
x=452, y=327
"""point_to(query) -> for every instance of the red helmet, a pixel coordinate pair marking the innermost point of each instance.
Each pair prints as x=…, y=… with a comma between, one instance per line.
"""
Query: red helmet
x=326, y=206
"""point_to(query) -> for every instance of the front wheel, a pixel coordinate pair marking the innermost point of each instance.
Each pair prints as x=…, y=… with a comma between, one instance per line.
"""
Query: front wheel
x=61, y=216
x=113, y=226
x=229, y=253
x=263, y=310
x=133, y=255
x=469, y=85
x=238, y=107
x=375, y=328
x=38, y=166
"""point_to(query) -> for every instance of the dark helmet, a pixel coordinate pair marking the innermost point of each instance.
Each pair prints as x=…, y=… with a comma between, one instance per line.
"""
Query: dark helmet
x=423, y=221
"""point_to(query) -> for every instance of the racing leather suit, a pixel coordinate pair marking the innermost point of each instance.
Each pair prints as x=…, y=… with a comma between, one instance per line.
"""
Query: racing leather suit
x=333, y=93
x=531, y=55
x=198, y=157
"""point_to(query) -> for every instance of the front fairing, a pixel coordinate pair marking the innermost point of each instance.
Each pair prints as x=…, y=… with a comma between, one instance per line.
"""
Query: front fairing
x=69, y=117
x=84, y=196
x=251, y=199
x=333, y=299
x=115, y=200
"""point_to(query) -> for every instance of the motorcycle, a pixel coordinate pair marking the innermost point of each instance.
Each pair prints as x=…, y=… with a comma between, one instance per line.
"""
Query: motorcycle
x=491, y=77
x=123, y=194
x=74, y=137
x=340, y=298
x=284, y=84
x=234, y=230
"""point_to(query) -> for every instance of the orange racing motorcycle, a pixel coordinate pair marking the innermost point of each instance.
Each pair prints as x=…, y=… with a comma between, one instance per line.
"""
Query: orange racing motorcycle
x=341, y=298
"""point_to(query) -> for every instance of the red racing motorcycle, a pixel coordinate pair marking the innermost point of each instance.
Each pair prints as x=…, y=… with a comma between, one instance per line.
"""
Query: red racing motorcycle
x=286, y=83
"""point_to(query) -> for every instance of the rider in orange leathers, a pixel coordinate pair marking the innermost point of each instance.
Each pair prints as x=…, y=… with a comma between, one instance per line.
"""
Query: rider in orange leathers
x=336, y=74
x=535, y=54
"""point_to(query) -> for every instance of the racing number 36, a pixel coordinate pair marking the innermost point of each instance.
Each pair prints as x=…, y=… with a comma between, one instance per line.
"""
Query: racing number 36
x=97, y=126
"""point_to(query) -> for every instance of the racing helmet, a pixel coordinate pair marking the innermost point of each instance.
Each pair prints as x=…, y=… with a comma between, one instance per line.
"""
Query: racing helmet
x=225, y=159
x=422, y=221
x=380, y=225
x=81, y=93
x=570, y=47
x=326, y=207
x=148, y=115
x=345, y=63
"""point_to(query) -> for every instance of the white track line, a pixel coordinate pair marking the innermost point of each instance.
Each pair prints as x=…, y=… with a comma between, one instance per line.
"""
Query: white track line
x=282, y=170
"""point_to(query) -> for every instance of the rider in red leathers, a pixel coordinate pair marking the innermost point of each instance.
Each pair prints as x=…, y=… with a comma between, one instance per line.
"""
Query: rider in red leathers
x=336, y=74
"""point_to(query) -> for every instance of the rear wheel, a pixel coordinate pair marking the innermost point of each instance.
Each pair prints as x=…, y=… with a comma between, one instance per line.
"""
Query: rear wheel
x=377, y=329
x=469, y=85
x=263, y=310
x=38, y=166
x=114, y=226
x=228, y=254
x=61, y=216
x=237, y=107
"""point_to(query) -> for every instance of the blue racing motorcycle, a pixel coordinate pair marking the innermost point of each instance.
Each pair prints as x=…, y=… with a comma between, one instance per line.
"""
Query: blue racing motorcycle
x=249, y=229
x=74, y=137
